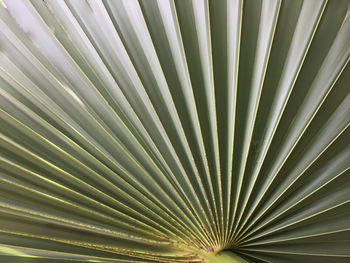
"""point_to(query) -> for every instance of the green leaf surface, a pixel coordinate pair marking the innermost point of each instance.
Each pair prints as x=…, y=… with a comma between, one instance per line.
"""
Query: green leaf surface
x=174, y=131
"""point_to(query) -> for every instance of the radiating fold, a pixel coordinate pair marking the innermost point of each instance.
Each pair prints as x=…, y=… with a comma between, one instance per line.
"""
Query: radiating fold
x=165, y=130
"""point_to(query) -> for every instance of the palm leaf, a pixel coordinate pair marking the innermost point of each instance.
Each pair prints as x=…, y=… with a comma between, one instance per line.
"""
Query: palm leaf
x=174, y=131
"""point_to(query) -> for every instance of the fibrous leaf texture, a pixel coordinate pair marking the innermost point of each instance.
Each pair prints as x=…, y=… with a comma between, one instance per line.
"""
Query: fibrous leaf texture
x=174, y=131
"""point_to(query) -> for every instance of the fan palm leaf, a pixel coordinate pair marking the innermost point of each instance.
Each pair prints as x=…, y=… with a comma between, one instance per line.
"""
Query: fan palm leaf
x=174, y=131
